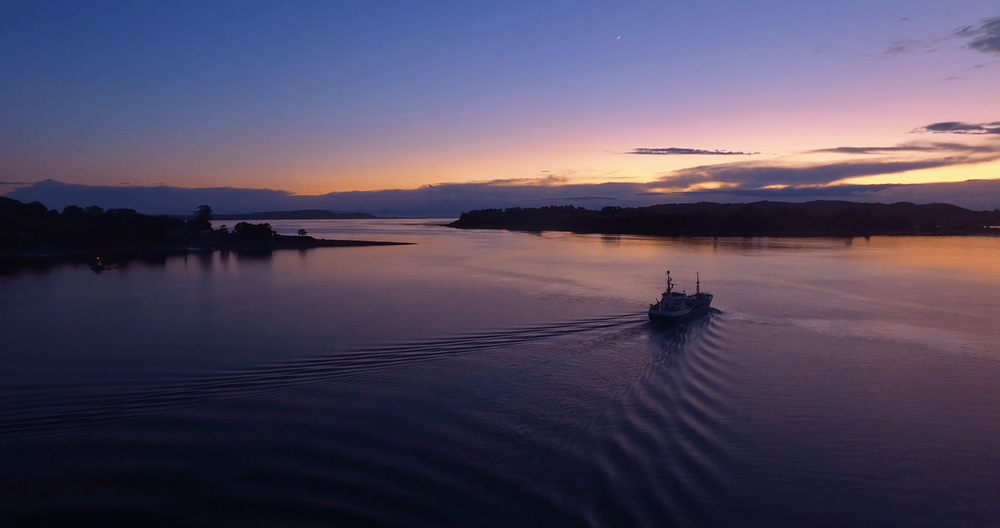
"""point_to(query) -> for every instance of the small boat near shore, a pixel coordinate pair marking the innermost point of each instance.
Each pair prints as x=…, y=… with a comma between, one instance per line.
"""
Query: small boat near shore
x=676, y=307
x=102, y=266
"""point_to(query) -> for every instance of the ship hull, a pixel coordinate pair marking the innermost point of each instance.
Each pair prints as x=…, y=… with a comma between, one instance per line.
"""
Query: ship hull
x=665, y=317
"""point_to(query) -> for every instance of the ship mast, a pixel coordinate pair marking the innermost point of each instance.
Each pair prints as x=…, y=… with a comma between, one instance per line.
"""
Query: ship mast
x=670, y=284
x=697, y=283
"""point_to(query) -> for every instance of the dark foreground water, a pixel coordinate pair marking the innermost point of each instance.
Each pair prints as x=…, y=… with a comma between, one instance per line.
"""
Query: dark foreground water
x=497, y=379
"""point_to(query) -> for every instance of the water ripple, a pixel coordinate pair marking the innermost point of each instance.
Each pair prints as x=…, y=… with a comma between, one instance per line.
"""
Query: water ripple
x=645, y=448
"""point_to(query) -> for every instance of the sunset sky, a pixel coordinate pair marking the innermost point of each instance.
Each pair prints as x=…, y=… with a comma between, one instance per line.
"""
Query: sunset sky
x=327, y=96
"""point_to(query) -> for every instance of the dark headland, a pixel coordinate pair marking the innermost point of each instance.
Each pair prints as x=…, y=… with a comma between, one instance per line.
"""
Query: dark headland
x=771, y=219
x=31, y=231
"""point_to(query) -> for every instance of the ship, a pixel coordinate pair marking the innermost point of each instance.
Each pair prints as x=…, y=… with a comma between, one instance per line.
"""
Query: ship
x=676, y=307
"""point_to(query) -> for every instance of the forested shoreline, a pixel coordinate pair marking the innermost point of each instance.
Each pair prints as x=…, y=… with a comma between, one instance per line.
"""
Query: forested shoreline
x=32, y=230
x=774, y=219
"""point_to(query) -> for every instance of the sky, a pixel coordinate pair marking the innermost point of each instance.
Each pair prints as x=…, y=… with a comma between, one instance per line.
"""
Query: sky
x=312, y=98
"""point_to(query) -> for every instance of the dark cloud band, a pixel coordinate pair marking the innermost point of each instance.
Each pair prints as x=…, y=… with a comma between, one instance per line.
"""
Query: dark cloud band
x=757, y=176
x=958, y=127
x=678, y=151
x=912, y=147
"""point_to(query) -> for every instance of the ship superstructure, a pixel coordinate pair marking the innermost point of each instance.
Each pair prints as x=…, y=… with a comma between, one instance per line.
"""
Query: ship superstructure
x=675, y=307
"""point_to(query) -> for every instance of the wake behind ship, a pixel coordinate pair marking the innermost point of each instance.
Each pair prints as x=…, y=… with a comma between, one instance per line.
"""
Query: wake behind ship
x=676, y=307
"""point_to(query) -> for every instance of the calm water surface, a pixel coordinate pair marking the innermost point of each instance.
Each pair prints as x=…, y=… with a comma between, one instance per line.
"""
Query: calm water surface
x=495, y=378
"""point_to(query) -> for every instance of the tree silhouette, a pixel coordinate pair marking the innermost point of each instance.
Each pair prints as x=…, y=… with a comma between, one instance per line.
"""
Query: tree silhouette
x=302, y=232
x=248, y=231
x=202, y=219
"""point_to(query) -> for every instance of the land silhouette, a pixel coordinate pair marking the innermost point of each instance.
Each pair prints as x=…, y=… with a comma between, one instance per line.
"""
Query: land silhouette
x=772, y=219
x=32, y=230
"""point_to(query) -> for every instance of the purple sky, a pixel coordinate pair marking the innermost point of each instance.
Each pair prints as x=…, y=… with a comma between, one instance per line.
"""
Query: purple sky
x=320, y=97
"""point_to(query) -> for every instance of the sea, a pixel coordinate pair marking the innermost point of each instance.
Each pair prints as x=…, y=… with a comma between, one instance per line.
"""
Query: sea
x=497, y=378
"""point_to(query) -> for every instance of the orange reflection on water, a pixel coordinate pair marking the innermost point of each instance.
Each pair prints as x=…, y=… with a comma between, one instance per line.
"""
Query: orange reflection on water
x=976, y=254
x=979, y=254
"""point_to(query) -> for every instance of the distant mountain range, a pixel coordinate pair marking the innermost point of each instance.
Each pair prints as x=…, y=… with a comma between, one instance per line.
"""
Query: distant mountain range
x=450, y=200
x=304, y=214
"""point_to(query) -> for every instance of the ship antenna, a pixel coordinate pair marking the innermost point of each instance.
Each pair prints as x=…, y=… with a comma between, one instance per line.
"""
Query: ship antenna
x=669, y=284
x=697, y=283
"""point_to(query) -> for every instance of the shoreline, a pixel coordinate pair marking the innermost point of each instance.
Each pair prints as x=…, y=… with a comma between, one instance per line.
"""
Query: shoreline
x=279, y=242
x=989, y=232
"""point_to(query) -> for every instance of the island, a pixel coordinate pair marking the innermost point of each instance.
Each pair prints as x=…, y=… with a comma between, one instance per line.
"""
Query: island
x=771, y=219
x=32, y=231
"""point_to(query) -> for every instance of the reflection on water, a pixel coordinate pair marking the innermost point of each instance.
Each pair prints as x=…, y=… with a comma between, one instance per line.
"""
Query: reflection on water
x=500, y=378
x=262, y=255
